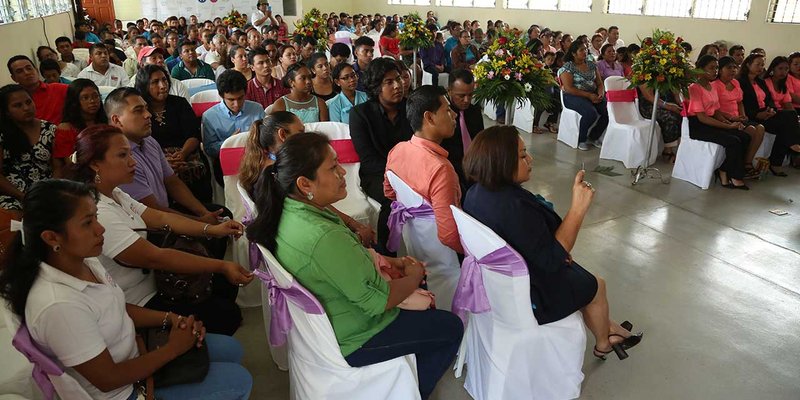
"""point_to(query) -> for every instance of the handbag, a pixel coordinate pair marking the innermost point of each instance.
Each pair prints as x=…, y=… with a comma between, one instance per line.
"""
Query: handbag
x=179, y=287
x=189, y=367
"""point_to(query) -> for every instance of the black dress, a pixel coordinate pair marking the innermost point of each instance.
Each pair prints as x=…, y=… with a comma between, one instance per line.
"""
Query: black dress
x=559, y=286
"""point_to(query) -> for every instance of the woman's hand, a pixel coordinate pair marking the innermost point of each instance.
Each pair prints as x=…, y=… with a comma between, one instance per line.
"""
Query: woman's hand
x=236, y=274
x=412, y=267
x=673, y=108
x=226, y=228
x=181, y=339
x=199, y=332
x=594, y=98
x=365, y=233
x=737, y=125
x=766, y=114
x=211, y=217
x=582, y=192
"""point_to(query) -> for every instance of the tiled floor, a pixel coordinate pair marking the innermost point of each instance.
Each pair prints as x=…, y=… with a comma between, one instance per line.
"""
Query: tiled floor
x=711, y=277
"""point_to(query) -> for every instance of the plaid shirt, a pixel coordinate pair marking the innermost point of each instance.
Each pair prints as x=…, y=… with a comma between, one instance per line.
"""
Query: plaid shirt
x=264, y=95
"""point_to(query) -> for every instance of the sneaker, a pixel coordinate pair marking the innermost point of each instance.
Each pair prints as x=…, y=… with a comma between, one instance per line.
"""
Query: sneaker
x=583, y=146
x=595, y=143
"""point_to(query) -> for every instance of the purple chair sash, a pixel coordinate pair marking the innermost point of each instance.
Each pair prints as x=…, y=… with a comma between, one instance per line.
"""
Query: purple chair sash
x=42, y=364
x=281, y=322
x=398, y=217
x=471, y=293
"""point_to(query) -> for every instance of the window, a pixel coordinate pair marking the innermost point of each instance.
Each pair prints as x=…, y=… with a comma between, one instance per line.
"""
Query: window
x=410, y=2
x=20, y=10
x=732, y=10
x=553, y=5
x=467, y=3
x=784, y=11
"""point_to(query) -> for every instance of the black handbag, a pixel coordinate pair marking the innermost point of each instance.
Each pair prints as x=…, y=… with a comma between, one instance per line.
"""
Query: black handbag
x=189, y=367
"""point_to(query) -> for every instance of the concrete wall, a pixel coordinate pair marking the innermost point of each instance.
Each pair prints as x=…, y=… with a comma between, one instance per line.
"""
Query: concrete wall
x=25, y=36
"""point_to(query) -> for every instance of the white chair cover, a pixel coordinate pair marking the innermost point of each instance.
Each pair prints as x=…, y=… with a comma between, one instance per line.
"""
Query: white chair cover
x=206, y=96
x=81, y=54
x=628, y=132
x=427, y=78
x=490, y=110
x=421, y=240
x=508, y=354
x=377, y=38
x=766, y=147
x=357, y=204
x=317, y=369
x=197, y=82
x=696, y=160
x=569, y=125
x=105, y=91
x=231, y=153
x=523, y=116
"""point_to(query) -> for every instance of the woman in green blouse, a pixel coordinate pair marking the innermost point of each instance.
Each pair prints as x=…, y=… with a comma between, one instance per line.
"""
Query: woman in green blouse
x=295, y=223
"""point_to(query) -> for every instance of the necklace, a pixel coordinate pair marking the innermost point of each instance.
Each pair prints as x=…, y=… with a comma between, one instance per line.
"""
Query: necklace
x=159, y=117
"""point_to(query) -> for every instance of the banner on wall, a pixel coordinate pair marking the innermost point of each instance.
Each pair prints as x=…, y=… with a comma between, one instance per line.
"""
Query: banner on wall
x=203, y=9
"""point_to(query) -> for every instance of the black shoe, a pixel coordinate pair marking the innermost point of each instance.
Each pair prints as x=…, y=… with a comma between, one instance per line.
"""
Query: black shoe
x=777, y=173
x=728, y=185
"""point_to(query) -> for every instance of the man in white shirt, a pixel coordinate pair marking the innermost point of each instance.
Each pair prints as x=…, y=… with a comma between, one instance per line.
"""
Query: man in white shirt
x=219, y=50
x=64, y=47
x=101, y=71
x=261, y=15
x=613, y=37
x=155, y=55
x=205, y=36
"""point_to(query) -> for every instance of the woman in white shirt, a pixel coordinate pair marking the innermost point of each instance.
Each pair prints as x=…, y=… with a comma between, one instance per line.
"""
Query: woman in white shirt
x=103, y=157
x=77, y=315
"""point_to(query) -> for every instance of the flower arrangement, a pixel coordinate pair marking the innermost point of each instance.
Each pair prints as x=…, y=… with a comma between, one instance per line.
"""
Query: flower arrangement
x=663, y=65
x=234, y=19
x=510, y=74
x=415, y=34
x=312, y=25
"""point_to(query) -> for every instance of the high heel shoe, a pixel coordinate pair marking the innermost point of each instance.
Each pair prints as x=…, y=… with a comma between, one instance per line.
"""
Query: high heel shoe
x=620, y=348
x=626, y=325
x=718, y=176
x=777, y=173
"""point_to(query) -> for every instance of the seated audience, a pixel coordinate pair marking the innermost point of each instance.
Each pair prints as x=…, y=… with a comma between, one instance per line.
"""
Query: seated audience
x=737, y=53
x=231, y=116
x=613, y=37
x=176, y=129
x=238, y=56
x=83, y=108
x=608, y=65
x=287, y=56
x=583, y=92
x=760, y=107
x=26, y=144
x=364, y=50
x=307, y=47
x=340, y=53
x=78, y=316
x=775, y=77
x=707, y=123
x=51, y=72
x=263, y=88
x=433, y=59
x=469, y=121
x=793, y=79
x=101, y=71
x=322, y=83
x=346, y=79
x=595, y=47
x=668, y=117
x=329, y=261
x=625, y=60
x=422, y=162
x=464, y=55
x=219, y=52
x=376, y=127
x=190, y=67
x=131, y=64
x=499, y=165
x=710, y=49
x=64, y=48
x=68, y=70
x=300, y=100
x=48, y=97
x=150, y=55
x=104, y=158
x=389, y=43
x=730, y=96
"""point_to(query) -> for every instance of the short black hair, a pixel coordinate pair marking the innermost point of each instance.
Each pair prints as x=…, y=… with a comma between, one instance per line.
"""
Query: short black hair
x=340, y=49
x=705, y=60
x=612, y=27
x=337, y=70
x=96, y=46
x=62, y=39
x=118, y=98
x=373, y=75
x=15, y=59
x=734, y=49
x=426, y=98
x=258, y=51
x=186, y=42
x=49, y=65
x=308, y=40
x=463, y=75
x=363, y=41
x=231, y=81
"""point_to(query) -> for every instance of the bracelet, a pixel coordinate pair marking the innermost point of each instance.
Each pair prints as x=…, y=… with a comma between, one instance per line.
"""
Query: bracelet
x=164, y=323
x=205, y=230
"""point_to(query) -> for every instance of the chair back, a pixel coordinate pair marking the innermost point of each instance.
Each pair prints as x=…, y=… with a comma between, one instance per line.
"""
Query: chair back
x=197, y=82
x=621, y=101
x=105, y=91
x=230, y=157
x=405, y=195
x=81, y=54
x=204, y=100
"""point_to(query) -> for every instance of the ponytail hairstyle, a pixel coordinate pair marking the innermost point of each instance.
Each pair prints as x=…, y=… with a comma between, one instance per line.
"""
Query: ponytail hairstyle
x=263, y=136
x=92, y=145
x=48, y=205
x=300, y=155
x=291, y=73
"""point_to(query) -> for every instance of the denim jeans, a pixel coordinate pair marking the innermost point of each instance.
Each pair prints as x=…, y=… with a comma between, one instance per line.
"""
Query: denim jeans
x=432, y=335
x=594, y=117
x=227, y=379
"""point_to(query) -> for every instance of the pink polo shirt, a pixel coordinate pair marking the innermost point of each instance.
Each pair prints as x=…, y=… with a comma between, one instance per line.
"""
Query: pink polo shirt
x=423, y=165
x=702, y=100
x=728, y=99
x=778, y=98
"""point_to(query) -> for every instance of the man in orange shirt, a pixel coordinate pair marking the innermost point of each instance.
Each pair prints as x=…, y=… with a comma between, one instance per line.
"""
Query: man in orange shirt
x=48, y=97
x=422, y=162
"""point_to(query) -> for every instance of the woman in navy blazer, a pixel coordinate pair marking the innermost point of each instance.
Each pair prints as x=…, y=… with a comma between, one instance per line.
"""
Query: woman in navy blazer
x=498, y=163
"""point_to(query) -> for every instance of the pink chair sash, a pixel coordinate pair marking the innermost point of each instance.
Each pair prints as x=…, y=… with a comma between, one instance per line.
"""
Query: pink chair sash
x=399, y=216
x=200, y=108
x=621, y=96
x=471, y=293
x=229, y=159
x=42, y=364
x=281, y=322
x=345, y=151
x=685, y=109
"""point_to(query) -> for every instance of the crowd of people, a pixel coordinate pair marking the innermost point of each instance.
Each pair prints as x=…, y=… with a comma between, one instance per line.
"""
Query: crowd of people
x=92, y=178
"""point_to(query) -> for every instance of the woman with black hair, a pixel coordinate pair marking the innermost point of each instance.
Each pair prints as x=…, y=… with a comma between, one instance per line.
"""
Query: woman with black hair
x=583, y=92
x=328, y=260
x=76, y=313
x=300, y=100
x=376, y=126
x=775, y=77
x=176, y=128
x=322, y=84
x=760, y=107
x=26, y=144
x=83, y=107
x=389, y=43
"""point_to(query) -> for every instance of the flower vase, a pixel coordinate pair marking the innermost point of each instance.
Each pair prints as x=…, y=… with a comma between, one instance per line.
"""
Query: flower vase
x=511, y=107
x=414, y=69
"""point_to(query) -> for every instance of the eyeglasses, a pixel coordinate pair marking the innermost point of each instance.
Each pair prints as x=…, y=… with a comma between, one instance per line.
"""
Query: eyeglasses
x=348, y=76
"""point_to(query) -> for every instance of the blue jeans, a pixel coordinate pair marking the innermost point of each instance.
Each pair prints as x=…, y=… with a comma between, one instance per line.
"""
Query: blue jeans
x=594, y=117
x=227, y=379
x=432, y=335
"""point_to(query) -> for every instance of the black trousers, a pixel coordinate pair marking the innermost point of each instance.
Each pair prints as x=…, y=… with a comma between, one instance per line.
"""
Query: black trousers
x=787, y=133
x=734, y=141
x=373, y=187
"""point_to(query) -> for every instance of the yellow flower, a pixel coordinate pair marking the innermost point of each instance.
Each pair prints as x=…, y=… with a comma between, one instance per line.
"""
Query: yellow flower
x=673, y=70
x=663, y=61
x=648, y=77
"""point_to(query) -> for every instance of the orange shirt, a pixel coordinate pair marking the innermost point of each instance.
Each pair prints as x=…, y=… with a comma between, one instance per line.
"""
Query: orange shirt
x=423, y=165
x=778, y=98
x=729, y=99
x=793, y=84
x=702, y=101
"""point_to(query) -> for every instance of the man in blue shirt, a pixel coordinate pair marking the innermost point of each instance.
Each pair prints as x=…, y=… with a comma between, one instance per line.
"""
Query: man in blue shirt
x=231, y=116
x=83, y=26
x=364, y=49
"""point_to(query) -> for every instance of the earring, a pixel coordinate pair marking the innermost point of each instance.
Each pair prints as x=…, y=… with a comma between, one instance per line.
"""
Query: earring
x=97, y=178
x=310, y=196
x=57, y=248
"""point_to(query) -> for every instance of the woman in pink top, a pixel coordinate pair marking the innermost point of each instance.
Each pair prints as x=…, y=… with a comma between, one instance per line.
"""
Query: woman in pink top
x=707, y=123
x=730, y=96
x=608, y=65
x=776, y=76
x=793, y=80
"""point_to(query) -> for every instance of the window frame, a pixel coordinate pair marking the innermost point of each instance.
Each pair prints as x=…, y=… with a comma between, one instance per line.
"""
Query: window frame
x=691, y=12
x=12, y=11
x=439, y=4
x=773, y=8
x=558, y=7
